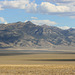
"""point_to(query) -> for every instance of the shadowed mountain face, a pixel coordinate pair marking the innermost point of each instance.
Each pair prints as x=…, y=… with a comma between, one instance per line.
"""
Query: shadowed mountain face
x=30, y=35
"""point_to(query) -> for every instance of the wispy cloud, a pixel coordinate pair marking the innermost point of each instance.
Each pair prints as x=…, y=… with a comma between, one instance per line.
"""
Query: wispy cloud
x=41, y=22
x=64, y=27
x=34, y=18
x=3, y=20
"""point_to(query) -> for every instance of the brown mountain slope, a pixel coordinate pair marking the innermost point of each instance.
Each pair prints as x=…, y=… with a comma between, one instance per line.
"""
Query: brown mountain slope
x=30, y=35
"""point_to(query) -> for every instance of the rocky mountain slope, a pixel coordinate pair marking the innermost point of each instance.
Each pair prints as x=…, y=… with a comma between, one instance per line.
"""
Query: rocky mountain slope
x=30, y=35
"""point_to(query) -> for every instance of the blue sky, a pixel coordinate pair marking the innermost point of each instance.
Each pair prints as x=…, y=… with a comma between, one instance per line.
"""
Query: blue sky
x=59, y=13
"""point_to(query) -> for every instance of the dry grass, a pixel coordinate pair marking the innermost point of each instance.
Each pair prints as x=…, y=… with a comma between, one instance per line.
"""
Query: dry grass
x=37, y=69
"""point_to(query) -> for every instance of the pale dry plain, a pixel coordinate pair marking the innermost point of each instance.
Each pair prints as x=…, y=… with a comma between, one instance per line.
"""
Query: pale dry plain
x=34, y=62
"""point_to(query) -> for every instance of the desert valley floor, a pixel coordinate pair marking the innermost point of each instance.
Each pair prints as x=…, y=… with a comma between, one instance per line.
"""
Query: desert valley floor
x=37, y=62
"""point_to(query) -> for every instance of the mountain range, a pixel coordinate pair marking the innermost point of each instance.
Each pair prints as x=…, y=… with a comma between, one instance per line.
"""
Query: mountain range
x=29, y=35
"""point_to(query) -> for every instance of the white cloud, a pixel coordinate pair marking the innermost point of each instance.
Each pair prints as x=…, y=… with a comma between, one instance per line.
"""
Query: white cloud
x=41, y=22
x=31, y=7
x=64, y=27
x=51, y=7
x=3, y=20
x=14, y=4
x=34, y=18
x=47, y=7
x=25, y=20
x=70, y=4
x=19, y=4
